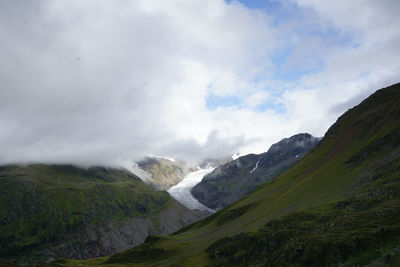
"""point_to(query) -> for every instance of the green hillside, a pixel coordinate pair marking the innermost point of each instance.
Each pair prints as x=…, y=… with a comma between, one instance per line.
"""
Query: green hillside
x=50, y=211
x=339, y=204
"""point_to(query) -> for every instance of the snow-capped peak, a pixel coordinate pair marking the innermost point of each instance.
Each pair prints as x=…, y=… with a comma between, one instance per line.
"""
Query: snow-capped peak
x=235, y=156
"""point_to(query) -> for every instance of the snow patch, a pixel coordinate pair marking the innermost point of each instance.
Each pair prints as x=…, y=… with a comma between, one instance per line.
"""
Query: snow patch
x=181, y=191
x=255, y=168
x=162, y=157
x=170, y=159
x=235, y=156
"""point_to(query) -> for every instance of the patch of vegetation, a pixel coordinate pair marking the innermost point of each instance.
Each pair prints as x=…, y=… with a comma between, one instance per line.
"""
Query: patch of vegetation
x=218, y=218
x=149, y=251
x=347, y=232
x=232, y=214
x=7, y=264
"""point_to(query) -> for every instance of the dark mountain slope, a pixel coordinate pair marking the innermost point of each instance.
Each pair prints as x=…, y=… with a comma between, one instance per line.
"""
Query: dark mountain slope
x=338, y=205
x=65, y=211
x=231, y=181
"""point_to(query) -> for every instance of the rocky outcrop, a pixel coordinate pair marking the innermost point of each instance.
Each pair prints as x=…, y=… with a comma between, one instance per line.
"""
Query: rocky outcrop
x=163, y=173
x=230, y=182
x=117, y=236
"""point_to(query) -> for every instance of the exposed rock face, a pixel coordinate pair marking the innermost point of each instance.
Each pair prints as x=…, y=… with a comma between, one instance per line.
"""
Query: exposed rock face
x=164, y=173
x=116, y=236
x=230, y=182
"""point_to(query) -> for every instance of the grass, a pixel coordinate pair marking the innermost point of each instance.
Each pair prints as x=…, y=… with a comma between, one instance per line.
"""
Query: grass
x=352, y=231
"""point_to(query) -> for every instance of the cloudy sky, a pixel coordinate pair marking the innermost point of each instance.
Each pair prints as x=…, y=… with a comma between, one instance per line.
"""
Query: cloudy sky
x=108, y=81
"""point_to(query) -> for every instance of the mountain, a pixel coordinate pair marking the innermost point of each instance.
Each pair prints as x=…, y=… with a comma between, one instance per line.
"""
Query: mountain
x=339, y=205
x=231, y=181
x=163, y=173
x=50, y=211
x=214, y=162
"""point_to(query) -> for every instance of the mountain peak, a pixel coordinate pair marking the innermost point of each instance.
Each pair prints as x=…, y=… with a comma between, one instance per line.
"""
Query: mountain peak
x=298, y=140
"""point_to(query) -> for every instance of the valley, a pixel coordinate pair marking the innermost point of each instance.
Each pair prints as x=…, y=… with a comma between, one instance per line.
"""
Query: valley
x=338, y=205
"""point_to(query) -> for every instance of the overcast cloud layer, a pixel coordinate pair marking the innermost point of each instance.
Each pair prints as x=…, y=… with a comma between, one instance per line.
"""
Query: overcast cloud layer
x=106, y=82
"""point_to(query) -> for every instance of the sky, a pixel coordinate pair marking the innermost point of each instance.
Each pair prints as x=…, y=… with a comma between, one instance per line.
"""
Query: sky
x=106, y=82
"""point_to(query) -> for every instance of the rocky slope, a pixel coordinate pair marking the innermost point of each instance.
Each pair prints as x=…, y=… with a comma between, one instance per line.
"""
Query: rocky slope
x=230, y=182
x=338, y=206
x=65, y=211
x=163, y=173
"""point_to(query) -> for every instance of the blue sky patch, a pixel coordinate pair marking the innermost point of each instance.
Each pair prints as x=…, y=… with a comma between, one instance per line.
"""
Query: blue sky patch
x=277, y=107
x=215, y=101
x=259, y=4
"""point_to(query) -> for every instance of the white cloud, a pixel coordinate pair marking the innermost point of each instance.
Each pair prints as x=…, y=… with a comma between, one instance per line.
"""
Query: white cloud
x=98, y=82
x=257, y=98
x=102, y=82
x=365, y=62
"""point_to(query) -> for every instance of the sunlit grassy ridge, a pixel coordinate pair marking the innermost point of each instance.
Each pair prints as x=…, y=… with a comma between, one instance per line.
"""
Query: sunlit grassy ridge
x=340, y=204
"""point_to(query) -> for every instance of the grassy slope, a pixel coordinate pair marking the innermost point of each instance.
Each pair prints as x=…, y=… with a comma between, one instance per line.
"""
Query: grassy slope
x=43, y=204
x=355, y=149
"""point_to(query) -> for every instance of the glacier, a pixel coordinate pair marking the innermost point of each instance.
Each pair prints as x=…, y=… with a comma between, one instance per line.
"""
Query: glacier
x=181, y=191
